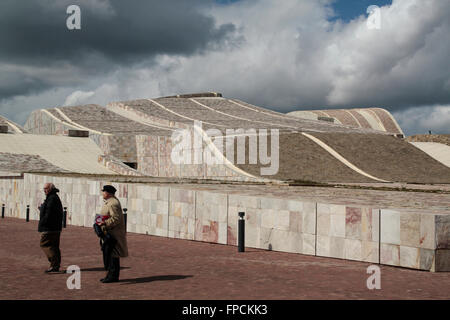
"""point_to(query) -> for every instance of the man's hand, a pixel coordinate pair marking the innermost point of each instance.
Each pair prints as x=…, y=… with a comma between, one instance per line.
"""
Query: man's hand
x=102, y=223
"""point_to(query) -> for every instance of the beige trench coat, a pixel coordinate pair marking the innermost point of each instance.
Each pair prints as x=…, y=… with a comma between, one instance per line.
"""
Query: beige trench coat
x=115, y=226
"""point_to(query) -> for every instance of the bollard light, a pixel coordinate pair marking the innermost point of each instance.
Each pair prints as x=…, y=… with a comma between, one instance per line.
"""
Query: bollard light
x=241, y=232
x=64, y=217
x=28, y=213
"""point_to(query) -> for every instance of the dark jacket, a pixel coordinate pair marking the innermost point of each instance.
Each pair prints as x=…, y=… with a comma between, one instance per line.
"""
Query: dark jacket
x=51, y=213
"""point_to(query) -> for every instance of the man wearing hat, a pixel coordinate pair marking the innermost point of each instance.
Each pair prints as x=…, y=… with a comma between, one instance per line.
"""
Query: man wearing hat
x=114, y=225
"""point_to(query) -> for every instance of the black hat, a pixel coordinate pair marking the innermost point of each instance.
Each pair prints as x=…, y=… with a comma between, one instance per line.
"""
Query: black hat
x=109, y=189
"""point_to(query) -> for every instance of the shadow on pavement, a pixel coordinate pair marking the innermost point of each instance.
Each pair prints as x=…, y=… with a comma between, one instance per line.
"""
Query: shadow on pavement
x=101, y=269
x=154, y=278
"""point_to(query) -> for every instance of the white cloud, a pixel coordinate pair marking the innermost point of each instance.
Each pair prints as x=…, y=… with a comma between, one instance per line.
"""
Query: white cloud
x=288, y=55
x=423, y=119
x=78, y=97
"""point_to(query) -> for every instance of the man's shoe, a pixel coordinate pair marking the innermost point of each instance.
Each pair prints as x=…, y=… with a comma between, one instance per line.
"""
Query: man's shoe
x=52, y=270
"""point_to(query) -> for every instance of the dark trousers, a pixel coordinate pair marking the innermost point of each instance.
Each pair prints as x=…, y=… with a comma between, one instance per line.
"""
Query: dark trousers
x=50, y=245
x=111, y=264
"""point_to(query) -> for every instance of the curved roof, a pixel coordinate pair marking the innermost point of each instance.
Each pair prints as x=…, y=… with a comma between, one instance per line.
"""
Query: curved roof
x=30, y=152
x=369, y=118
x=357, y=147
x=12, y=127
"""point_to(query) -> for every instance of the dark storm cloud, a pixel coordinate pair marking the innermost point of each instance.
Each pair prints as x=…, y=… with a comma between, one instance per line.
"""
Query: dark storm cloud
x=113, y=33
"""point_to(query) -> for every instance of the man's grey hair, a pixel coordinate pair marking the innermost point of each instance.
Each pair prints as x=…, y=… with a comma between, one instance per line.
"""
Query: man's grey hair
x=50, y=185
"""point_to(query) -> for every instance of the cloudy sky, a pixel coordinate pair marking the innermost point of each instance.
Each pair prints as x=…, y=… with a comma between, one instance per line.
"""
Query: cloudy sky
x=285, y=55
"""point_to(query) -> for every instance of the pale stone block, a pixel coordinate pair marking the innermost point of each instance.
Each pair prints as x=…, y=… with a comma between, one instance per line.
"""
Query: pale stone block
x=176, y=209
x=294, y=205
x=323, y=223
x=139, y=204
x=295, y=221
x=366, y=224
x=337, y=209
x=282, y=219
x=252, y=216
x=139, y=220
x=163, y=193
x=370, y=251
x=291, y=241
x=376, y=225
x=409, y=257
x=427, y=231
x=309, y=220
x=252, y=236
x=265, y=238
x=152, y=220
x=323, y=246
x=172, y=225
x=223, y=232
x=243, y=201
x=337, y=225
x=191, y=228
x=267, y=218
x=353, y=223
x=231, y=235
x=323, y=208
x=162, y=207
x=409, y=229
x=280, y=240
x=273, y=203
x=353, y=249
x=337, y=248
x=187, y=210
x=427, y=259
x=309, y=244
x=212, y=213
x=390, y=227
x=390, y=254
x=146, y=206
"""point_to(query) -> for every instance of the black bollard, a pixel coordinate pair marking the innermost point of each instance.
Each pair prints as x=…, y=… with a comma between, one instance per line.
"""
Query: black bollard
x=64, y=217
x=125, y=217
x=28, y=213
x=3, y=211
x=241, y=232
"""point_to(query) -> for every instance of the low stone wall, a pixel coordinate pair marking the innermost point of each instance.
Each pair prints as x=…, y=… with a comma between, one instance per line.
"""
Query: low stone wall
x=417, y=240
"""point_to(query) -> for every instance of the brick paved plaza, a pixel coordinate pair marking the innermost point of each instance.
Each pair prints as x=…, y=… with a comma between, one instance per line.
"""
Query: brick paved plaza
x=163, y=268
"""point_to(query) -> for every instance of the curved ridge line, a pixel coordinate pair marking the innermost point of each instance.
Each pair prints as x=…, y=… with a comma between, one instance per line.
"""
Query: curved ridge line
x=236, y=117
x=393, y=119
x=216, y=152
x=371, y=119
x=285, y=117
x=77, y=124
x=357, y=121
x=209, y=143
x=377, y=118
x=59, y=120
x=182, y=116
x=134, y=116
x=340, y=158
x=14, y=126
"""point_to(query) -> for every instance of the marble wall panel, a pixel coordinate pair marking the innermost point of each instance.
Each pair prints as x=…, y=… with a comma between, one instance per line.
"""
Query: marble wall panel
x=442, y=233
x=390, y=227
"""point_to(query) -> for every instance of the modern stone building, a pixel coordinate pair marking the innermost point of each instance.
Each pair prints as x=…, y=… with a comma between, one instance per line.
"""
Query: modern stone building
x=336, y=183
